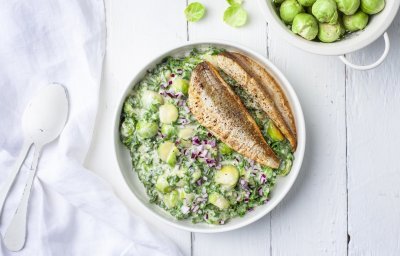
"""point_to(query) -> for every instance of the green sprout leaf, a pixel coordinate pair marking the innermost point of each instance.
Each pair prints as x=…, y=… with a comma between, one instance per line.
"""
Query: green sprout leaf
x=195, y=11
x=235, y=16
x=232, y=2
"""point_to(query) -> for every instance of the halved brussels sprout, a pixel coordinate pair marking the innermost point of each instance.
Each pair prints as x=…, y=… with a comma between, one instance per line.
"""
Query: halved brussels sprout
x=146, y=129
x=305, y=25
x=180, y=85
x=168, y=130
x=218, y=200
x=167, y=152
x=357, y=21
x=171, y=199
x=273, y=132
x=289, y=9
x=224, y=149
x=186, y=133
x=228, y=176
x=162, y=184
x=168, y=113
x=325, y=11
x=150, y=98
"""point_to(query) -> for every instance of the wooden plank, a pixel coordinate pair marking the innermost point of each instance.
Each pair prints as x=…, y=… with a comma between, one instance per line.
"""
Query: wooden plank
x=373, y=110
x=311, y=220
x=254, y=239
x=136, y=33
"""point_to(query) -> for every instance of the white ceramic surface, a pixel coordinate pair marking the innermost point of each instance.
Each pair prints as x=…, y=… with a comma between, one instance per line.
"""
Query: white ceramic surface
x=378, y=25
x=283, y=184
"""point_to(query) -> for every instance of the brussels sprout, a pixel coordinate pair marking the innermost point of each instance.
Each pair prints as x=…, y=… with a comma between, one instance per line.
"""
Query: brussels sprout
x=128, y=109
x=168, y=130
x=273, y=132
x=224, y=149
x=355, y=22
x=171, y=199
x=218, y=200
x=168, y=113
x=150, y=98
x=167, y=152
x=162, y=184
x=372, y=6
x=127, y=128
x=186, y=133
x=146, y=130
x=305, y=25
x=196, y=175
x=306, y=3
x=180, y=85
x=289, y=9
x=325, y=11
x=228, y=176
x=329, y=33
x=348, y=7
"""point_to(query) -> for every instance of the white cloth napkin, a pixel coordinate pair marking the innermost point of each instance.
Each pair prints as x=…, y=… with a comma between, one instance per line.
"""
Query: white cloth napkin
x=71, y=212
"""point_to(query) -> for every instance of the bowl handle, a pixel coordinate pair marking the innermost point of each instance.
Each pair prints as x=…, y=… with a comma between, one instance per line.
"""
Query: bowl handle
x=373, y=65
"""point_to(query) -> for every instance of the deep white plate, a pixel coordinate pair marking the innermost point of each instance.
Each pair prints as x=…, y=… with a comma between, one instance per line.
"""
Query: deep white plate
x=283, y=184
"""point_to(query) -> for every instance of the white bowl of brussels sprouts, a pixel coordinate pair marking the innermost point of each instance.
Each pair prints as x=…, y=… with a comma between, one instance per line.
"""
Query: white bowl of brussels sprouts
x=332, y=27
x=281, y=186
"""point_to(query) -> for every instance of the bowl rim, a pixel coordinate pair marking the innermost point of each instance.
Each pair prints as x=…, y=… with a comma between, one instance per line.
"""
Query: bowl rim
x=330, y=49
x=300, y=125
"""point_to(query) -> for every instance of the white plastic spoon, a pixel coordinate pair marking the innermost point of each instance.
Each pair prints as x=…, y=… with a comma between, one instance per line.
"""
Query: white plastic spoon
x=43, y=121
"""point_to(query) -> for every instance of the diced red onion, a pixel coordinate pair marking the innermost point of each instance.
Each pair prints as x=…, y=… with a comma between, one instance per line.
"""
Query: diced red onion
x=206, y=216
x=195, y=208
x=195, y=140
x=222, y=222
x=263, y=178
x=260, y=191
x=185, y=209
x=179, y=71
x=172, y=75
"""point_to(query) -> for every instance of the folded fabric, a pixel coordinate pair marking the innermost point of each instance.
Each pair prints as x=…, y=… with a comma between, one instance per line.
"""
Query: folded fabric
x=72, y=211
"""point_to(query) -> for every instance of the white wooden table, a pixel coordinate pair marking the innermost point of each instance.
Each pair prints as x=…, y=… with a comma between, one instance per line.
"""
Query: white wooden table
x=346, y=200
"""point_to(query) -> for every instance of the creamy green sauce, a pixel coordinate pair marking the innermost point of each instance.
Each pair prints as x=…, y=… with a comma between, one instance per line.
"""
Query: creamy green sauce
x=184, y=168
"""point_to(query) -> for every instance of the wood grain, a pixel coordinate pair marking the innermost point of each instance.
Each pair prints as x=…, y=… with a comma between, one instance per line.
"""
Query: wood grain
x=373, y=111
x=311, y=220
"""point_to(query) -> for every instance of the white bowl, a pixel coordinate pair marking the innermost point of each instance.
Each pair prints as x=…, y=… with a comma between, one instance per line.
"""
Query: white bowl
x=283, y=184
x=377, y=25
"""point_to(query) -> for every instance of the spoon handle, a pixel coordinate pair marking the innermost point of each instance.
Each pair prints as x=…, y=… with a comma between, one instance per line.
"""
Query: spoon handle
x=15, y=236
x=11, y=178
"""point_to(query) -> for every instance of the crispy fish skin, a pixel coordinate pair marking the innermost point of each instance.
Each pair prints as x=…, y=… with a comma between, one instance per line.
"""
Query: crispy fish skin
x=251, y=79
x=215, y=105
x=272, y=87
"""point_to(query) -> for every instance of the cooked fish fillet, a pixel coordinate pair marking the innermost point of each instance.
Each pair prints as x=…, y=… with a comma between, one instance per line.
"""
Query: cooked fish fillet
x=256, y=81
x=214, y=104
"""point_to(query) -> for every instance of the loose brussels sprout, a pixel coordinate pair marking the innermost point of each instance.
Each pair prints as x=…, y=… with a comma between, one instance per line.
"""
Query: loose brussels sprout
x=305, y=25
x=228, y=176
x=224, y=149
x=167, y=152
x=355, y=22
x=218, y=200
x=168, y=130
x=372, y=6
x=306, y=3
x=171, y=199
x=289, y=9
x=146, y=130
x=168, y=113
x=180, y=85
x=348, y=7
x=150, y=98
x=162, y=184
x=325, y=11
x=273, y=132
x=329, y=33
